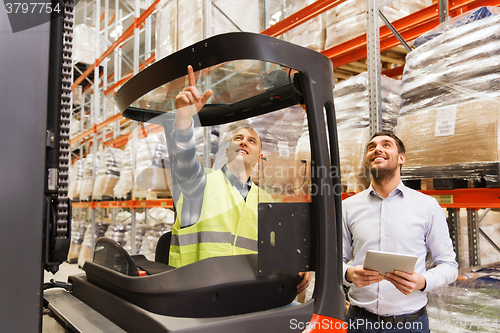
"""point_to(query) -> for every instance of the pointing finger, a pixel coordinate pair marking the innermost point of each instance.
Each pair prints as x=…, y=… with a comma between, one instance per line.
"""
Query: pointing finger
x=191, y=78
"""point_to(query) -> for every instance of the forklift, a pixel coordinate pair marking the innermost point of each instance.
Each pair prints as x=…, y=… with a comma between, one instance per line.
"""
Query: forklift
x=251, y=75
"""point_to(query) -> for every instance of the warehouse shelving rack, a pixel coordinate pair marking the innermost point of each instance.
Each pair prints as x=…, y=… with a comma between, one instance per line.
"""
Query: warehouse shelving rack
x=409, y=27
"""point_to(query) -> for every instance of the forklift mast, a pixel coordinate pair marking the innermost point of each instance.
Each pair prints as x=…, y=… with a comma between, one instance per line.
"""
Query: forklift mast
x=36, y=78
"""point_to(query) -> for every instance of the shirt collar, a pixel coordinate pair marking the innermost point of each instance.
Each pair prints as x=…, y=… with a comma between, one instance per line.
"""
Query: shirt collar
x=401, y=189
x=233, y=180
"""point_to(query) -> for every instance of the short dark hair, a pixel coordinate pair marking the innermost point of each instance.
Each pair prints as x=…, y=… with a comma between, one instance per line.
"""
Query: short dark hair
x=399, y=143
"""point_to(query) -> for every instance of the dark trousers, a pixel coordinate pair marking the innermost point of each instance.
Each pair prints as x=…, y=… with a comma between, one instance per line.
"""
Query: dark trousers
x=358, y=323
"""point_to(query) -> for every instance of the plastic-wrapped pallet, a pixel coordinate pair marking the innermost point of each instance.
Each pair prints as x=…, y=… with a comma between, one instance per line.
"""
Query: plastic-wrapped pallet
x=279, y=132
x=75, y=180
x=310, y=34
x=348, y=19
x=160, y=221
x=87, y=179
x=84, y=46
x=352, y=114
x=224, y=15
x=78, y=229
x=470, y=303
x=108, y=174
x=123, y=188
x=166, y=29
x=85, y=251
x=152, y=168
x=451, y=99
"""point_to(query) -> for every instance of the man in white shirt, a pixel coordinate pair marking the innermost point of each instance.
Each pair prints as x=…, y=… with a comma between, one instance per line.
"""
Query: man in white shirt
x=391, y=217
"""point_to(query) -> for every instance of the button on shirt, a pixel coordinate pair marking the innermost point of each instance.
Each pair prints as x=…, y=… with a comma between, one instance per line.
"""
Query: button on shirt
x=406, y=222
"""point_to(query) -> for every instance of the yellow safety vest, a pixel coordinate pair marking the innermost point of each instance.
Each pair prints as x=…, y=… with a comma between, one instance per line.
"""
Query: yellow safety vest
x=228, y=224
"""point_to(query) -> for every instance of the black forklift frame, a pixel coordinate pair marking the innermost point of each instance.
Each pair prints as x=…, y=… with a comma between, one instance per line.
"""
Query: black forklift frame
x=317, y=83
x=312, y=87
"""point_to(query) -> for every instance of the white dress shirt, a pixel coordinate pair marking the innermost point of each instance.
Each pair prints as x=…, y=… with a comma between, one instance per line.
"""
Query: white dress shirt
x=406, y=222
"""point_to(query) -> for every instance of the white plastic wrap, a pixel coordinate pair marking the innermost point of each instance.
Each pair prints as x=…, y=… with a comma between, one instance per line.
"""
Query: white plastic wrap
x=87, y=179
x=100, y=230
x=180, y=23
x=160, y=221
x=123, y=187
x=166, y=29
x=450, y=99
x=84, y=44
x=78, y=229
x=310, y=34
x=75, y=180
x=348, y=19
x=108, y=174
x=469, y=304
x=352, y=113
x=152, y=168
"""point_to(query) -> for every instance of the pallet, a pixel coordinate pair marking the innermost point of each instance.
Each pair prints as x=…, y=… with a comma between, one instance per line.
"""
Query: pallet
x=477, y=175
x=156, y=195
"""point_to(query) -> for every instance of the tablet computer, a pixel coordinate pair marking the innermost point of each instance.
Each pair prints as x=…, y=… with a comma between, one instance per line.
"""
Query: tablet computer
x=387, y=262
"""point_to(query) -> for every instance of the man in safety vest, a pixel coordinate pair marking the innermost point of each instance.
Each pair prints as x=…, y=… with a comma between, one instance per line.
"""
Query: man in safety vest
x=217, y=211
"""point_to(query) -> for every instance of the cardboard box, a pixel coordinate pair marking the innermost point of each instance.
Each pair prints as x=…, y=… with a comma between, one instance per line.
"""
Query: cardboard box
x=459, y=134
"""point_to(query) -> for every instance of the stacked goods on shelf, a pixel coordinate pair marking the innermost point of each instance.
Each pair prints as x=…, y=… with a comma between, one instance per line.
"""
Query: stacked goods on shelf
x=450, y=100
x=85, y=251
x=78, y=229
x=160, y=221
x=123, y=188
x=84, y=44
x=303, y=162
x=108, y=174
x=87, y=178
x=75, y=180
x=181, y=23
x=348, y=19
x=279, y=132
x=310, y=34
x=470, y=303
x=199, y=133
x=119, y=228
x=166, y=29
x=353, y=113
x=152, y=168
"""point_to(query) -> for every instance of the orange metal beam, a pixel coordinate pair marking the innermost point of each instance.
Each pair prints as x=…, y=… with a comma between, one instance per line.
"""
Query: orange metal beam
x=129, y=75
x=130, y=30
x=303, y=15
x=467, y=198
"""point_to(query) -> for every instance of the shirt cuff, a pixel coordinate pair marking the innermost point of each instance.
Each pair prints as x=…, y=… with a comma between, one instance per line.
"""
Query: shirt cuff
x=345, y=267
x=430, y=281
x=184, y=135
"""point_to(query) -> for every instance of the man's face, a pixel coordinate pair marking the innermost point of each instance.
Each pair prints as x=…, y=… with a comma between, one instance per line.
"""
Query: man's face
x=382, y=156
x=244, y=145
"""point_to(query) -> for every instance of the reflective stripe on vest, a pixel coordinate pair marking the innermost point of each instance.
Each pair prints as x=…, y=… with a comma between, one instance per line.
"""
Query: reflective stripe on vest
x=214, y=237
x=227, y=225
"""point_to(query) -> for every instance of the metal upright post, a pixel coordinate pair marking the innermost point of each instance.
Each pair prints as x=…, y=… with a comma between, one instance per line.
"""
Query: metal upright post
x=266, y=16
x=133, y=230
x=95, y=111
x=443, y=11
x=472, y=229
x=373, y=58
x=207, y=26
x=455, y=233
